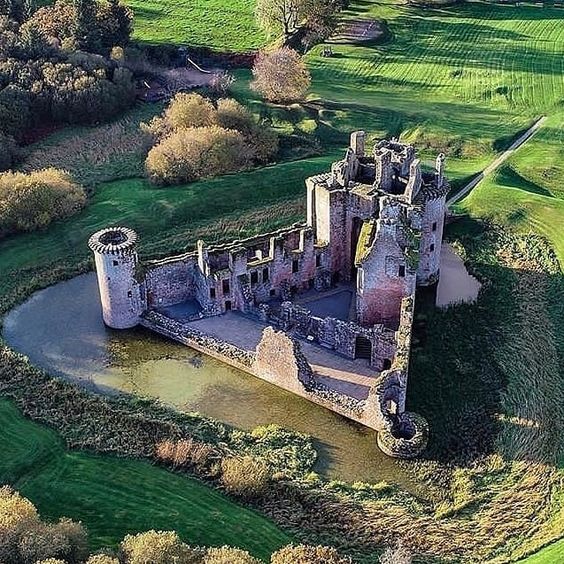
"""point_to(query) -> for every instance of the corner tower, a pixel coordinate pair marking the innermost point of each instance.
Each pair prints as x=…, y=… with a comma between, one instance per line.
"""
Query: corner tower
x=433, y=202
x=121, y=294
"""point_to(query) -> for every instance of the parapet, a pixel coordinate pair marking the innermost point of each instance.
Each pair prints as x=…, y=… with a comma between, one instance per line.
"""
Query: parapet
x=114, y=241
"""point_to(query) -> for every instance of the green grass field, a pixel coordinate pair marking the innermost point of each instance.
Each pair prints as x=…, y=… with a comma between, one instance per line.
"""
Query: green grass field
x=222, y=25
x=464, y=80
x=114, y=497
x=550, y=555
x=527, y=192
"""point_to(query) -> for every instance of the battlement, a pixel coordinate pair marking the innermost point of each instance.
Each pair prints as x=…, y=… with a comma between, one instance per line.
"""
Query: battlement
x=114, y=241
x=393, y=168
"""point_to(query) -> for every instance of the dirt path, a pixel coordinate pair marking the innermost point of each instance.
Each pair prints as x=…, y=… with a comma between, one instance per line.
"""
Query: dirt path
x=498, y=161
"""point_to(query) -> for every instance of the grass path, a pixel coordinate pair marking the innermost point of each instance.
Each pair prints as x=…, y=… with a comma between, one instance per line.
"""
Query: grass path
x=527, y=191
x=498, y=161
x=114, y=497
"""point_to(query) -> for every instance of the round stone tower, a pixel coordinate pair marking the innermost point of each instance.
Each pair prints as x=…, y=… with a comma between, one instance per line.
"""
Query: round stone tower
x=115, y=252
x=433, y=198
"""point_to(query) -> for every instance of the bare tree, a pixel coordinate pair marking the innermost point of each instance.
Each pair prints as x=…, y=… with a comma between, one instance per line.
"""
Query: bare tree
x=281, y=76
x=275, y=16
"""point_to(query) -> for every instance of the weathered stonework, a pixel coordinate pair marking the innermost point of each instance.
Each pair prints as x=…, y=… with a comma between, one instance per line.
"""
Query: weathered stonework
x=374, y=223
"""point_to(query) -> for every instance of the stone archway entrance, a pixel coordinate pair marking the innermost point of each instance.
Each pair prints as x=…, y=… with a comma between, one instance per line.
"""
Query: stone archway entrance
x=363, y=348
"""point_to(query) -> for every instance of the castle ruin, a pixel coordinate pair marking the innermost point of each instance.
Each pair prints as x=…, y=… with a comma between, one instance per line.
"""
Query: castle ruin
x=323, y=309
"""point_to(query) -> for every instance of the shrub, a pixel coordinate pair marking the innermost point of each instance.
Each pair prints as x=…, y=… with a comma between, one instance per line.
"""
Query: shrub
x=31, y=201
x=244, y=476
x=188, y=130
x=264, y=142
x=305, y=554
x=186, y=452
x=281, y=76
x=232, y=115
x=202, y=152
x=190, y=110
x=158, y=547
x=228, y=555
x=24, y=538
x=102, y=559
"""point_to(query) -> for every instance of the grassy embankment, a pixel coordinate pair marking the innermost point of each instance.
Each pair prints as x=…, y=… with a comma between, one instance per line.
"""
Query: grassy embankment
x=222, y=25
x=464, y=80
x=105, y=493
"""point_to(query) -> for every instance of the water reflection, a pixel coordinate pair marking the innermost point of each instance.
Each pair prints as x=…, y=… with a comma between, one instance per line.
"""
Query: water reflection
x=60, y=329
x=455, y=285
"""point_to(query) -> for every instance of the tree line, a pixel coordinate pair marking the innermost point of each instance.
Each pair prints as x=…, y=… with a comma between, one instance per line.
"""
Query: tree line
x=25, y=538
x=55, y=66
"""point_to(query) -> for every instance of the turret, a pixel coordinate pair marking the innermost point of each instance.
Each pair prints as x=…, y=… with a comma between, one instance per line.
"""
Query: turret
x=432, y=226
x=121, y=293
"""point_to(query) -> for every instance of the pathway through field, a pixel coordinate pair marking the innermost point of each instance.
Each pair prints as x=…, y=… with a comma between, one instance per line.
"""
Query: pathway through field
x=498, y=161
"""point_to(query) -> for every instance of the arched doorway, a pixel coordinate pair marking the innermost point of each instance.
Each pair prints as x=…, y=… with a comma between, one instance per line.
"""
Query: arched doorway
x=363, y=348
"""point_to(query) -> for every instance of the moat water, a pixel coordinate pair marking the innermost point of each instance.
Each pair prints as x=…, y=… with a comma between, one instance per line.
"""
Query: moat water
x=61, y=330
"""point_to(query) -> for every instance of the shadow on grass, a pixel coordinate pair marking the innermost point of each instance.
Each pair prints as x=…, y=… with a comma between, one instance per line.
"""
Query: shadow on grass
x=460, y=365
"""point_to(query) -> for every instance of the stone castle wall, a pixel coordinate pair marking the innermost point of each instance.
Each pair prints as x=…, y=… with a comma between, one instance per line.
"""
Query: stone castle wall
x=432, y=227
x=170, y=282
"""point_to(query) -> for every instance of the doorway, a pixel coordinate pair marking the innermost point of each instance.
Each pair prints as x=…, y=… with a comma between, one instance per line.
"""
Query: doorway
x=356, y=228
x=363, y=348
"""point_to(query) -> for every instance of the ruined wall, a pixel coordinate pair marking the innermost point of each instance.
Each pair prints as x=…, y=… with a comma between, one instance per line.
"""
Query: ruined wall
x=280, y=361
x=170, y=282
x=387, y=398
x=217, y=348
x=338, y=335
x=384, y=278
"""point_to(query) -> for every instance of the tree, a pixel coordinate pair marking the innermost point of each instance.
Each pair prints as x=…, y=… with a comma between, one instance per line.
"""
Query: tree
x=102, y=559
x=123, y=18
x=24, y=538
x=9, y=152
x=279, y=16
x=305, y=554
x=281, y=76
x=320, y=20
x=202, y=152
x=31, y=201
x=116, y=23
x=228, y=555
x=85, y=25
x=190, y=110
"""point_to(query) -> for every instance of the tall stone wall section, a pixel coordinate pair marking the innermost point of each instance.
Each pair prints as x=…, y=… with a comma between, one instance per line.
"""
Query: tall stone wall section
x=432, y=228
x=170, y=281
